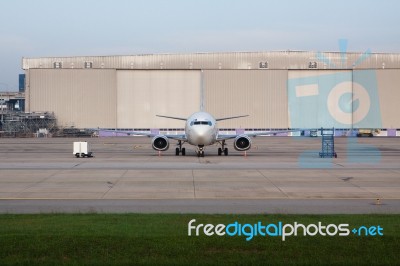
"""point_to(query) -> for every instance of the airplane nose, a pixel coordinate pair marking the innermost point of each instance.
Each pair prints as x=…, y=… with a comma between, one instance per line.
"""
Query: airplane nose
x=201, y=132
x=202, y=135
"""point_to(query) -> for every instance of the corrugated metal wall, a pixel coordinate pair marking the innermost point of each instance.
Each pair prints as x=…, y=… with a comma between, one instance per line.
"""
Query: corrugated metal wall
x=366, y=106
x=235, y=60
x=389, y=97
x=142, y=94
x=79, y=98
x=261, y=94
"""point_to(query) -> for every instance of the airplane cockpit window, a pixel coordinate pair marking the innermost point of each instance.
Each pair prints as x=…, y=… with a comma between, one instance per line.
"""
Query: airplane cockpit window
x=200, y=123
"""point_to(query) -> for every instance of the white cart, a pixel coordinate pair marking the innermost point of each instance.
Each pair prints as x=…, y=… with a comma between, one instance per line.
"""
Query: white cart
x=82, y=149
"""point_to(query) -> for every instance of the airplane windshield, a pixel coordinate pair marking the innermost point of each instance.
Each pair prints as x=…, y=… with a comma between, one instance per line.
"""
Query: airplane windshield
x=201, y=123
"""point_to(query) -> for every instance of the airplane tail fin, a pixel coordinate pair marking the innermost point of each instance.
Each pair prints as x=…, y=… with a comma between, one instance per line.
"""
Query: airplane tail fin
x=201, y=92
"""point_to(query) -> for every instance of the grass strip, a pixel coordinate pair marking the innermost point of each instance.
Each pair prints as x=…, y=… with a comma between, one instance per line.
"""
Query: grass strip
x=162, y=239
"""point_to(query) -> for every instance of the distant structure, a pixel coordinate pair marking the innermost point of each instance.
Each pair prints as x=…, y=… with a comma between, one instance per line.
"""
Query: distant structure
x=19, y=124
x=11, y=101
x=21, y=83
x=284, y=89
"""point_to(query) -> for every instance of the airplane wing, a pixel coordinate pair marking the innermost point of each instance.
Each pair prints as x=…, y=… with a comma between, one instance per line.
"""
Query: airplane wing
x=181, y=137
x=173, y=117
x=263, y=133
x=231, y=117
x=128, y=132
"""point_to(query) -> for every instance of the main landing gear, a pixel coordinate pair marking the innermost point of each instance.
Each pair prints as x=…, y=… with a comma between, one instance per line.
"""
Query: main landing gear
x=223, y=149
x=179, y=149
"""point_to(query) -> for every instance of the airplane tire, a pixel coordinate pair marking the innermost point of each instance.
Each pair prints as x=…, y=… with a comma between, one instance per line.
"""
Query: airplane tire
x=226, y=151
x=219, y=151
x=177, y=151
x=183, y=151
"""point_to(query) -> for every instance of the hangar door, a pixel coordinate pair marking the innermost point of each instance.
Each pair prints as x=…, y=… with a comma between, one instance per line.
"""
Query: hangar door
x=333, y=98
x=143, y=94
x=320, y=98
x=261, y=94
x=388, y=83
x=83, y=98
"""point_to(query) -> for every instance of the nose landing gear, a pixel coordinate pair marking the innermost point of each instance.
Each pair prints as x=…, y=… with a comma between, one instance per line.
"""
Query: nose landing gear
x=200, y=151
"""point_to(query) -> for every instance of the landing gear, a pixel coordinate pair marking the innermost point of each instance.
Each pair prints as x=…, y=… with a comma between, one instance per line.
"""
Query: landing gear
x=179, y=149
x=223, y=149
x=200, y=151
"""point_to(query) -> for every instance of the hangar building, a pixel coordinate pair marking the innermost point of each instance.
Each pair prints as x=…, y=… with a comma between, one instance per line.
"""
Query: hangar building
x=283, y=89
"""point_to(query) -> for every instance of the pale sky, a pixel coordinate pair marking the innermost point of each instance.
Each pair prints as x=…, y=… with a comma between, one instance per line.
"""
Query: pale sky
x=46, y=28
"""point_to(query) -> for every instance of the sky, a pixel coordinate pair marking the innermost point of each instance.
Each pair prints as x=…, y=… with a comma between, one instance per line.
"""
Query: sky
x=47, y=28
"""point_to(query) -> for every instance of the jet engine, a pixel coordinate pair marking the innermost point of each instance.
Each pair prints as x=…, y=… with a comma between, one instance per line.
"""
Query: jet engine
x=242, y=143
x=160, y=143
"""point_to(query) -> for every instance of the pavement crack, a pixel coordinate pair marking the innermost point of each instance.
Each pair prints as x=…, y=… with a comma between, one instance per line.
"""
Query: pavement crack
x=76, y=165
x=347, y=178
x=283, y=192
x=338, y=164
x=38, y=183
x=194, y=185
x=111, y=185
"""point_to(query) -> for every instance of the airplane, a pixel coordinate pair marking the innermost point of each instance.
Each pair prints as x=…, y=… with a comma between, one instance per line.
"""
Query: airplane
x=201, y=130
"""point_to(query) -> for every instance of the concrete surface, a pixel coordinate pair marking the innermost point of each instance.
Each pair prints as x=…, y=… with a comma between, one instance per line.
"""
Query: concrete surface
x=279, y=175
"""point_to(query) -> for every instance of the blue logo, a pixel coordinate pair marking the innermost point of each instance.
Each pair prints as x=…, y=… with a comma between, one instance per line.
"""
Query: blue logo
x=340, y=99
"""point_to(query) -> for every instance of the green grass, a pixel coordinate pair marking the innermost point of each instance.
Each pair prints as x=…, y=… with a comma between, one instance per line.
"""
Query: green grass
x=161, y=239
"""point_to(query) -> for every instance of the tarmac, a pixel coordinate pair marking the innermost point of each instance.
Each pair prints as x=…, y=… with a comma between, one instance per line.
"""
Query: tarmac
x=277, y=175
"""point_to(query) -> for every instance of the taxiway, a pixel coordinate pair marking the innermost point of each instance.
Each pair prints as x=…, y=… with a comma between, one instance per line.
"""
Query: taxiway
x=278, y=175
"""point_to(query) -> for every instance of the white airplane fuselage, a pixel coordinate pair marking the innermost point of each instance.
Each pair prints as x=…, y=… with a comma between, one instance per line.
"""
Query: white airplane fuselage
x=201, y=129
